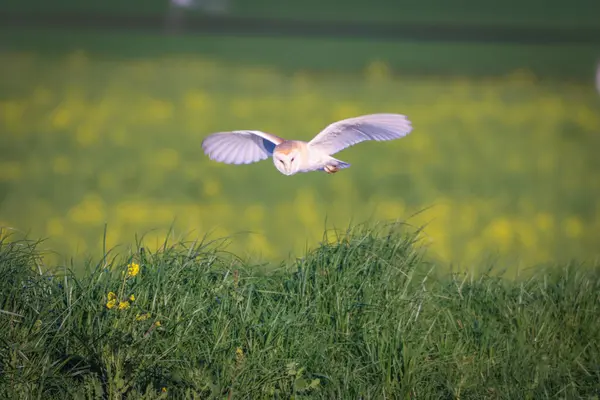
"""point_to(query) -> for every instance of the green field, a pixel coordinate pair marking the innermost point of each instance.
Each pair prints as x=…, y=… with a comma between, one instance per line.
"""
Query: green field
x=505, y=166
x=288, y=55
x=365, y=317
x=553, y=13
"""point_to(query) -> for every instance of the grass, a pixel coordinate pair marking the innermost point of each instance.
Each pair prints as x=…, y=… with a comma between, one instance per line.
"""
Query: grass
x=361, y=316
x=503, y=165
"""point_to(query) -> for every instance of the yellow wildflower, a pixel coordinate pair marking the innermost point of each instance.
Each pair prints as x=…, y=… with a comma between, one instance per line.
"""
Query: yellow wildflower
x=573, y=227
x=132, y=297
x=123, y=305
x=239, y=354
x=133, y=269
x=142, y=317
x=112, y=300
x=37, y=325
x=164, y=390
x=157, y=323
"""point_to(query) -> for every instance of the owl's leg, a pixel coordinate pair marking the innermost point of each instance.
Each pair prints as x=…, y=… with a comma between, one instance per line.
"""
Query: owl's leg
x=334, y=165
x=331, y=169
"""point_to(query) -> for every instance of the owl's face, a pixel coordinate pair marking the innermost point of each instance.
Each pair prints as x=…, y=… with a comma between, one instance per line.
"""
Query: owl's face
x=288, y=162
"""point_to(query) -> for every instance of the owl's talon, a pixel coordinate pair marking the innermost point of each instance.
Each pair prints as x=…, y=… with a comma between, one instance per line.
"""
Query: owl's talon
x=331, y=169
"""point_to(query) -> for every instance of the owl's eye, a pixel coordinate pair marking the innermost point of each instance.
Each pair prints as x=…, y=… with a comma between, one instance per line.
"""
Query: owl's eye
x=292, y=159
x=281, y=161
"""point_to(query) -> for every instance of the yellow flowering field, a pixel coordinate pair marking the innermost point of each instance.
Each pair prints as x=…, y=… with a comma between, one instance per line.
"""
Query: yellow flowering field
x=504, y=167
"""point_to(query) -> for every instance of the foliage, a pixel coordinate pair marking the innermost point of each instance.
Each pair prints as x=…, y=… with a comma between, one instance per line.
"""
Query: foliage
x=361, y=317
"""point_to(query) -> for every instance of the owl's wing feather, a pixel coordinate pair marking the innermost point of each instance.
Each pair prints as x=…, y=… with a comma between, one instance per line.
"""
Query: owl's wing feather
x=240, y=147
x=348, y=132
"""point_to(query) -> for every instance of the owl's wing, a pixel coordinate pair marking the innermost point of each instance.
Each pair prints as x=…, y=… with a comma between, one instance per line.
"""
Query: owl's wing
x=240, y=147
x=347, y=132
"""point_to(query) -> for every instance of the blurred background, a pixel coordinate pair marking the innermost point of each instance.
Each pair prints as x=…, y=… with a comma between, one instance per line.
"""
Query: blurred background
x=104, y=105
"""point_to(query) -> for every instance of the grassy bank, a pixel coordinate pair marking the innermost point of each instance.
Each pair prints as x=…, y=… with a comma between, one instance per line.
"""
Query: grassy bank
x=361, y=317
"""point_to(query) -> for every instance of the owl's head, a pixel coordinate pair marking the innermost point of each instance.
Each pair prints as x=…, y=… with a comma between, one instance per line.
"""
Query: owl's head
x=286, y=157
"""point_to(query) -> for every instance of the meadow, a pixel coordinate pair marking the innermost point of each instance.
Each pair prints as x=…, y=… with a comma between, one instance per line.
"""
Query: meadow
x=162, y=274
x=501, y=167
x=362, y=317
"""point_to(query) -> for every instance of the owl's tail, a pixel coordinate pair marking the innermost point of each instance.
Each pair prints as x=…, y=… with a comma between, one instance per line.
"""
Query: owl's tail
x=334, y=165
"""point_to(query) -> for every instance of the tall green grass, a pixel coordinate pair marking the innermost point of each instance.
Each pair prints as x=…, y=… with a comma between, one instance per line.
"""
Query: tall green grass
x=363, y=316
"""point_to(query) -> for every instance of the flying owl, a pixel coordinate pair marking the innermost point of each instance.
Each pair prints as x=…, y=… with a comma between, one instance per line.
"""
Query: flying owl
x=293, y=156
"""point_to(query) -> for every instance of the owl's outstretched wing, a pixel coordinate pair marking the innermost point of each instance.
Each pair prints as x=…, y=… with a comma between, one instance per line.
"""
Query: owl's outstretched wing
x=347, y=132
x=240, y=147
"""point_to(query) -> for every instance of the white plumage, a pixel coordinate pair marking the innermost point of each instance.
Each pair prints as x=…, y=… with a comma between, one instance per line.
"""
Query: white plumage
x=293, y=156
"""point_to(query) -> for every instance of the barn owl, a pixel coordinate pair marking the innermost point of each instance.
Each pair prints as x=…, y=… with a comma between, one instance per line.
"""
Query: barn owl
x=293, y=156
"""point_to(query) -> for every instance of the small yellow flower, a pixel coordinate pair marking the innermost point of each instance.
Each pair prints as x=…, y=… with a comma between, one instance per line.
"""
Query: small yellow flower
x=239, y=354
x=142, y=317
x=112, y=300
x=164, y=390
x=132, y=298
x=123, y=305
x=157, y=323
x=37, y=325
x=133, y=269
